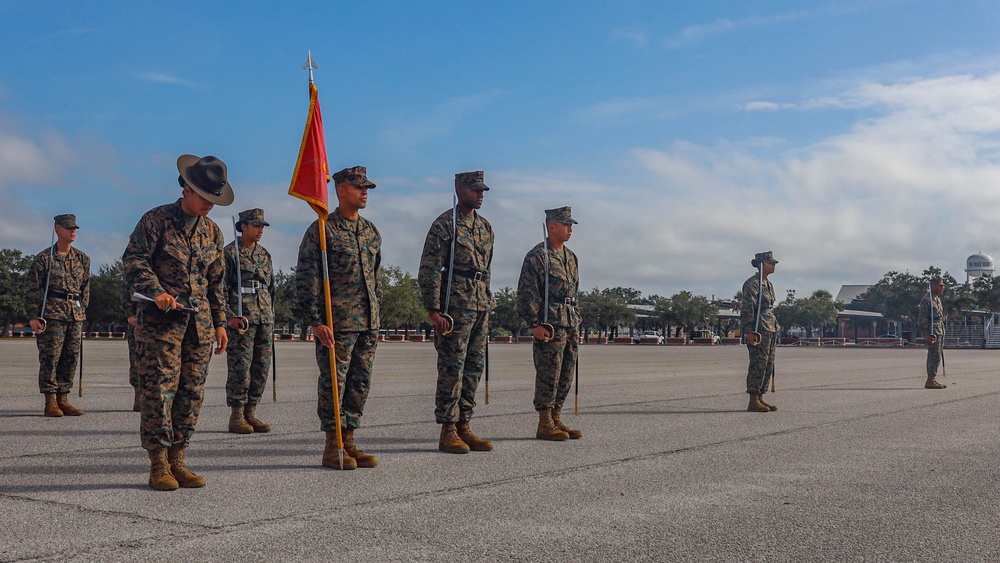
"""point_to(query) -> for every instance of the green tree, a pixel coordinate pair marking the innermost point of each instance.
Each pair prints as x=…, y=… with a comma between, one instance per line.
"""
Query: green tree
x=13, y=269
x=106, y=309
x=401, y=306
x=691, y=311
x=504, y=314
x=818, y=310
x=284, y=300
x=605, y=310
x=897, y=295
x=987, y=293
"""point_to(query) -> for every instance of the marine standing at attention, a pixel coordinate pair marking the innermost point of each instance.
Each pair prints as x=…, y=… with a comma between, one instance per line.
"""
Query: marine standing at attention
x=457, y=255
x=931, y=320
x=58, y=292
x=174, y=257
x=760, y=328
x=249, y=295
x=550, y=277
x=353, y=258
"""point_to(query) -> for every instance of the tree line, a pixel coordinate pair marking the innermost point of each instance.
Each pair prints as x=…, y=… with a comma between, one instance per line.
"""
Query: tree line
x=604, y=311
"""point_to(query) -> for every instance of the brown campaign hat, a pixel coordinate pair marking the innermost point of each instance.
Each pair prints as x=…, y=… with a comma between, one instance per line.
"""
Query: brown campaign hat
x=207, y=177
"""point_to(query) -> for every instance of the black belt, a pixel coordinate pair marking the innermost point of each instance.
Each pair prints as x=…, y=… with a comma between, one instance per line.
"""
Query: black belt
x=64, y=295
x=565, y=301
x=471, y=274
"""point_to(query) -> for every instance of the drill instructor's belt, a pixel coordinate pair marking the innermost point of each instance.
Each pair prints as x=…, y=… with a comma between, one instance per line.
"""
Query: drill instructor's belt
x=568, y=301
x=475, y=275
x=55, y=293
x=251, y=287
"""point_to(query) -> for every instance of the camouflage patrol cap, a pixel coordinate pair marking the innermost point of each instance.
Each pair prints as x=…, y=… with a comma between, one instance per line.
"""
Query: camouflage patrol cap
x=355, y=175
x=471, y=180
x=253, y=217
x=66, y=221
x=562, y=214
x=761, y=257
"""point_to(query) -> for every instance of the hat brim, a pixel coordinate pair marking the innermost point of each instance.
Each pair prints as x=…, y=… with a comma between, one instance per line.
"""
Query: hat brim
x=479, y=187
x=225, y=198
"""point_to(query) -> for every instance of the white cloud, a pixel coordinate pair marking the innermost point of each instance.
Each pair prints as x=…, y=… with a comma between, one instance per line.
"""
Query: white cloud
x=166, y=78
x=633, y=35
x=912, y=184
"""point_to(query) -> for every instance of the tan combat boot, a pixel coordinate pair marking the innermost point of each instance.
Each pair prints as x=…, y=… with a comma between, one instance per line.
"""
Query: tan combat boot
x=137, y=401
x=769, y=406
x=573, y=434
x=248, y=415
x=160, y=477
x=330, y=457
x=66, y=408
x=450, y=442
x=932, y=383
x=474, y=442
x=547, y=429
x=756, y=406
x=51, y=406
x=238, y=424
x=362, y=459
x=186, y=479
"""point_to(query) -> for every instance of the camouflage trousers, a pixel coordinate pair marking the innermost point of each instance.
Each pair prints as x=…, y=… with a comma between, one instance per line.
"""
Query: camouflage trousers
x=934, y=356
x=58, y=355
x=460, y=365
x=133, y=356
x=173, y=386
x=248, y=357
x=555, y=364
x=355, y=354
x=761, y=368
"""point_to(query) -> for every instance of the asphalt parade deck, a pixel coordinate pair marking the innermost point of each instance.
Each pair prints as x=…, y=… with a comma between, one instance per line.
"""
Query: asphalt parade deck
x=859, y=464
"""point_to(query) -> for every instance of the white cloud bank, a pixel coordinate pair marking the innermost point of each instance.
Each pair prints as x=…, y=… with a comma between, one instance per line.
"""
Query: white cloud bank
x=914, y=186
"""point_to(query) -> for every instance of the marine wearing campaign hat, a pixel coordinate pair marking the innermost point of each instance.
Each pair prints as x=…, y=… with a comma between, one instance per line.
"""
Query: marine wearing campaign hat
x=207, y=176
x=175, y=256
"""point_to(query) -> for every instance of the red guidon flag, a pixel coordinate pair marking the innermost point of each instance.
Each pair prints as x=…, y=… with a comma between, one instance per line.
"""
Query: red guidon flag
x=312, y=172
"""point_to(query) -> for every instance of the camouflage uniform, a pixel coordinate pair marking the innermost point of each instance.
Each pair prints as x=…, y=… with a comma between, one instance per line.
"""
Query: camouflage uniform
x=761, y=356
x=166, y=255
x=65, y=311
x=462, y=352
x=131, y=310
x=555, y=360
x=353, y=258
x=248, y=355
x=924, y=321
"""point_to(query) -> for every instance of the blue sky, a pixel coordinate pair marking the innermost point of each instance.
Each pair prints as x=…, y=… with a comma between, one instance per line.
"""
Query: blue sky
x=851, y=138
